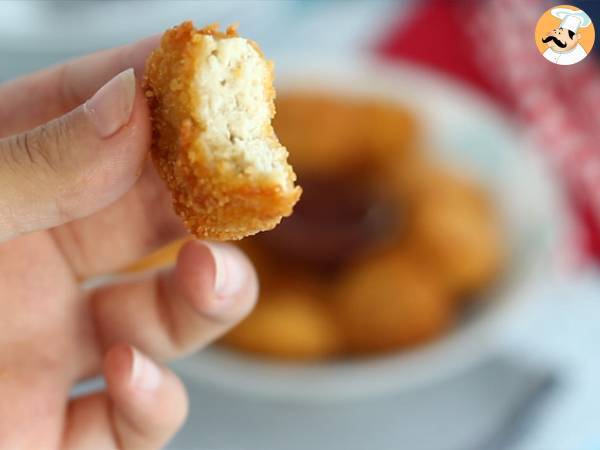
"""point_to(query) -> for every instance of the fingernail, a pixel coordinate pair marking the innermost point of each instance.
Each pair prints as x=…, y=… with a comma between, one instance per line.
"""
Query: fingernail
x=230, y=273
x=110, y=108
x=145, y=374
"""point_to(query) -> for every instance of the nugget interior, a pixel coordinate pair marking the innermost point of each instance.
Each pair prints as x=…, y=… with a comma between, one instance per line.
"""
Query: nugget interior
x=234, y=106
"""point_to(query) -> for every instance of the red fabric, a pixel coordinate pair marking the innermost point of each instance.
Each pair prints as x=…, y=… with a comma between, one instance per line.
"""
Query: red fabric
x=463, y=56
x=418, y=40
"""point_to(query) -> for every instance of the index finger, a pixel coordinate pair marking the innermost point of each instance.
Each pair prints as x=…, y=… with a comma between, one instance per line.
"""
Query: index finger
x=41, y=96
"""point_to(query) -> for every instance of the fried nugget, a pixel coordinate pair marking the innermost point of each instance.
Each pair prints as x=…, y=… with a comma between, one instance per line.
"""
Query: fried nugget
x=329, y=135
x=288, y=325
x=388, y=303
x=323, y=133
x=455, y=231
x=211, y=101
x=390, y=132
x=463, y=244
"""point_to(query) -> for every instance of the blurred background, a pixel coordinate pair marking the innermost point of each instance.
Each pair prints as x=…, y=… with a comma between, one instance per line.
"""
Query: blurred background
x=467, y=315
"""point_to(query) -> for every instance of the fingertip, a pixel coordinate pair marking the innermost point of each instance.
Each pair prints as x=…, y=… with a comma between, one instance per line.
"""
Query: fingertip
x=139, y=119
x=117, y=364
x=195, y=269
x=218, y=280
x=128, y=368
x=150, y=402
x=111, y=106
x=102, y=169
x=128, y=149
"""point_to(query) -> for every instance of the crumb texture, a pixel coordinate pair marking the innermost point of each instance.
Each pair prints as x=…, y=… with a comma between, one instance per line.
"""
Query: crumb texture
x=211, y=100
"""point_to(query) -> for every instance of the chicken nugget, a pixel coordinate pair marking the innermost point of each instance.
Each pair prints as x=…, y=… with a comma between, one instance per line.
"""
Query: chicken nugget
x=460, y=241
x=211, y=101
x=329, y=134
x=323, y=133
x=452, y=227
x=389, y=303
x=390, y=132
x=288, y=325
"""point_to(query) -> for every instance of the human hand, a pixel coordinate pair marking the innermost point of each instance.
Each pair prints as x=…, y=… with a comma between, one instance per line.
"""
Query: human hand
x=78, y=199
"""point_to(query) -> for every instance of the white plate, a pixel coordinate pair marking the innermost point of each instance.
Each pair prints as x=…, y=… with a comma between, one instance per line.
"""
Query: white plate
x=470, y=132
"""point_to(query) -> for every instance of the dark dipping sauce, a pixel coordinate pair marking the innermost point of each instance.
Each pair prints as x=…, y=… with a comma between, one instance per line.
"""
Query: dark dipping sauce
x=336, y=218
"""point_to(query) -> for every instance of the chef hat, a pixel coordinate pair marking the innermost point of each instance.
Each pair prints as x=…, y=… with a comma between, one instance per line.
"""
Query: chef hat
x=572, y=19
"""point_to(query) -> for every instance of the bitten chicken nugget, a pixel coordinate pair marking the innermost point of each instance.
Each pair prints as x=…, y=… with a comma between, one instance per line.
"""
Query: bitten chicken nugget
x=288, y=325
x=211, y=100
x=389, y=303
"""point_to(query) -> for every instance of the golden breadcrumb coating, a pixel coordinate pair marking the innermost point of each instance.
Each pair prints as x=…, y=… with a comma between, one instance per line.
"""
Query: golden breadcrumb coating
x=223, y=190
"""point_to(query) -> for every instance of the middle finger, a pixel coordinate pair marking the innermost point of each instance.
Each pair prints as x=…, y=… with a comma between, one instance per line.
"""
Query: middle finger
x=179, y=310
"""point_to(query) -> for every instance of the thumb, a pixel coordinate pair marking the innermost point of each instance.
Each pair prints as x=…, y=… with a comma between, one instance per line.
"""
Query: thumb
x=77, y=164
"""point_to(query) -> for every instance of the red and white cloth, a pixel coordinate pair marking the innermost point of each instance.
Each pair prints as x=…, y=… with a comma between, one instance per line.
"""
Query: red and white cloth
x=490, y=44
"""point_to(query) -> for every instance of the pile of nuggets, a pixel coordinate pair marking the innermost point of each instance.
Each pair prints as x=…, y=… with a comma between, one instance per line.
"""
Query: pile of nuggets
x=386, y=249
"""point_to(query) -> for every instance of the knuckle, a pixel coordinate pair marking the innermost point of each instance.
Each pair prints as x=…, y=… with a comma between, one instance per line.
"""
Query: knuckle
x=33, y=148
x=44, y=146
x=9, y=154
x=38, y=158
x=48, y=141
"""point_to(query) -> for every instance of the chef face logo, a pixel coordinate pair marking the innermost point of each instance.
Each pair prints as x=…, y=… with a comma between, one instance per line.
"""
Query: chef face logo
x=561, y=40
x=564, y=35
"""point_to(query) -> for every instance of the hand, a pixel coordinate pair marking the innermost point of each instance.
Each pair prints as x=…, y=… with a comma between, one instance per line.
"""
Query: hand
x=78, y=198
